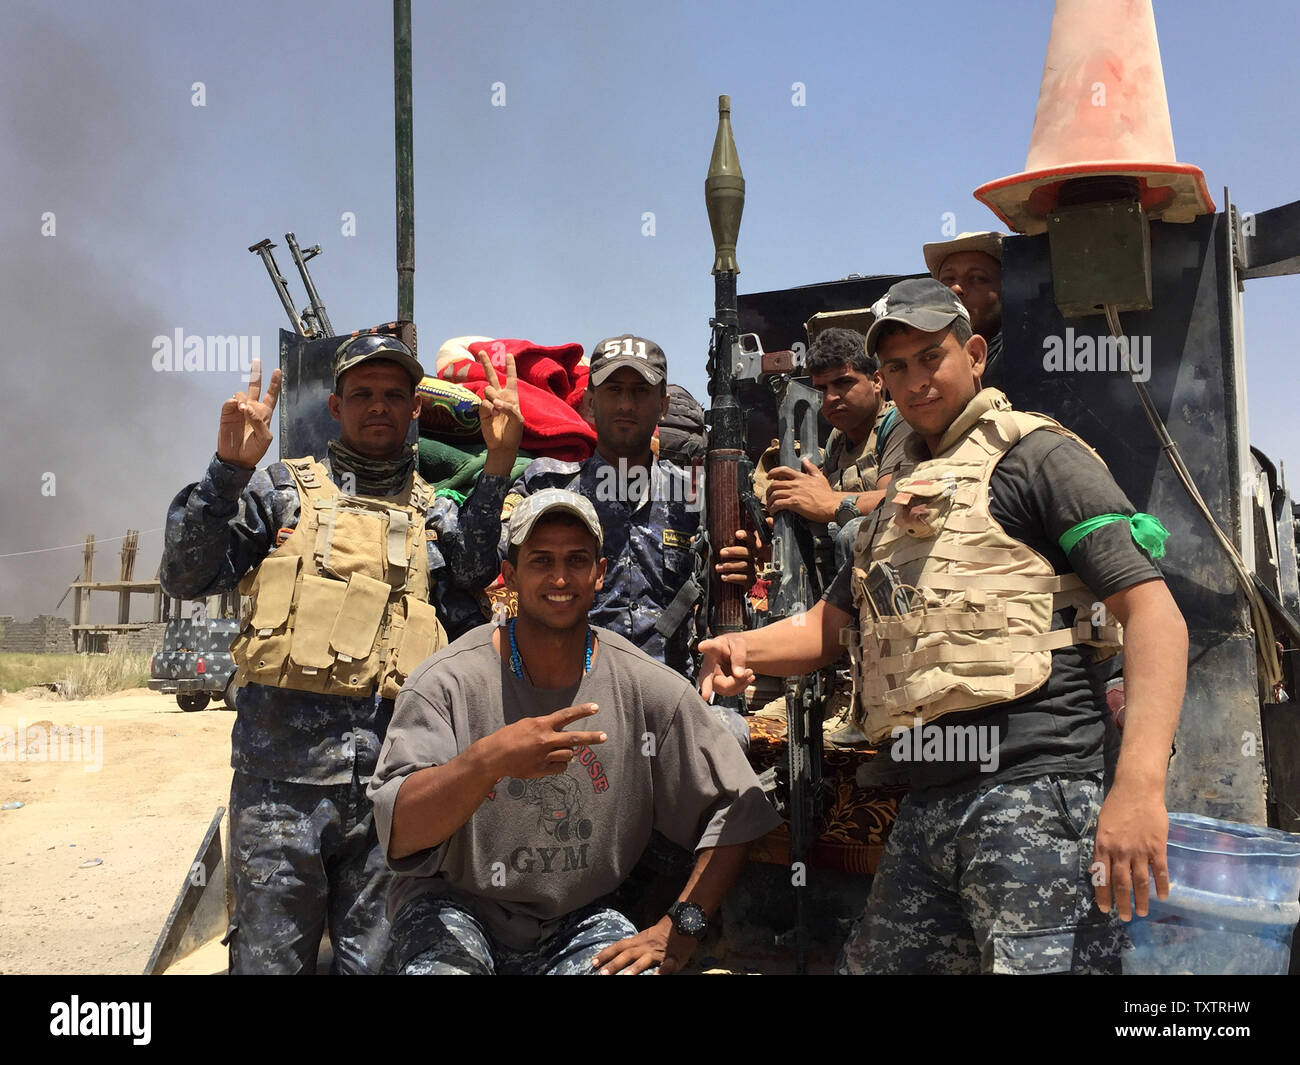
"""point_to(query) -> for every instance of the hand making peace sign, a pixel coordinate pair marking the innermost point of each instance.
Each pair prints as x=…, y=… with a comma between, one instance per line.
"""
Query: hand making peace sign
x=245, y=431
x=498, y=410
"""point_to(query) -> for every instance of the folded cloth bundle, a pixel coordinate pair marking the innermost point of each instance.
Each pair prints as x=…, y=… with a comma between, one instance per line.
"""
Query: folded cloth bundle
x=551, y=383
x=453, y=468
x=447, y=409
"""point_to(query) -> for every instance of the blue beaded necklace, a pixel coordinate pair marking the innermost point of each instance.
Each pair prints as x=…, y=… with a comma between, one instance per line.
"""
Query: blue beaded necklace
x=517, y=663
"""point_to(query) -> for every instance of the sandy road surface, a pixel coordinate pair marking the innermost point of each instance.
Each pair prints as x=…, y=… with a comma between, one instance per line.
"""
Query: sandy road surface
x=142, y=812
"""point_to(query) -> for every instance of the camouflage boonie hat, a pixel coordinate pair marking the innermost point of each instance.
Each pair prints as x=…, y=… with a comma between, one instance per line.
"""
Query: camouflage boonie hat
x=527, y=511
x=922, y=303
x=356, y=350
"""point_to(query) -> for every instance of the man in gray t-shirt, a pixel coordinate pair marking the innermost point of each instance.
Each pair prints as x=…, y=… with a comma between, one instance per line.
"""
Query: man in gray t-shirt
x=506, y=828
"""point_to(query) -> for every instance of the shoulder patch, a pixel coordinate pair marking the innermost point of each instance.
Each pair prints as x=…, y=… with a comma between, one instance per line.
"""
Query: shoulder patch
x=508, y=505
x=676, y=538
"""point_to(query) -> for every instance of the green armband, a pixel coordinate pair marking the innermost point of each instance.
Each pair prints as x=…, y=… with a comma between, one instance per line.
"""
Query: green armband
x=1147, y=532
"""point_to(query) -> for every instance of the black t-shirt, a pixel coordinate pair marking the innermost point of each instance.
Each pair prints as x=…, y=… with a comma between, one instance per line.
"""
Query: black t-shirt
x=1043, y=486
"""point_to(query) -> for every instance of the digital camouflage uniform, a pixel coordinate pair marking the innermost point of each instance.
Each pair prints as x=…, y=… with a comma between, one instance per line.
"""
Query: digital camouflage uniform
x=303, y=844
x=461, y=946
x=1008, y=863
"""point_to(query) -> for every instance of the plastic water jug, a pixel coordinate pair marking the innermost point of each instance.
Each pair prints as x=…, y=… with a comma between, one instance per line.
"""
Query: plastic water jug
x=1234, y=900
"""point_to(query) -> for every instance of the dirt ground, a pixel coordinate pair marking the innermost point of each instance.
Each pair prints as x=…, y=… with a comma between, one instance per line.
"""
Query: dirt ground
x=91, y=863
x=136, y=796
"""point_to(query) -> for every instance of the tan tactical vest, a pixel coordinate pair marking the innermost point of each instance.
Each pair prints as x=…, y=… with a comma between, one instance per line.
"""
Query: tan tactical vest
x=862, y=470
x=979, y=628
x=341, y=607
x=859, y=474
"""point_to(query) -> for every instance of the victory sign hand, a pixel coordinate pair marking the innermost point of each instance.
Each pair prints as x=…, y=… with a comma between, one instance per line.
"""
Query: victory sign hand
x=498, y=410
x=245, y=431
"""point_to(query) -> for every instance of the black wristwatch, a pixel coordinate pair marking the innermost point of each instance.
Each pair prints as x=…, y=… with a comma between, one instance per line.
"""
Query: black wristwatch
x=847, y=511
x=688, y=919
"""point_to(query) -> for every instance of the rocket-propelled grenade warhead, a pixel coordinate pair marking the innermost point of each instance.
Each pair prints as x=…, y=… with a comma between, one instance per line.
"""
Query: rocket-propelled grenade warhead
x=724, y=192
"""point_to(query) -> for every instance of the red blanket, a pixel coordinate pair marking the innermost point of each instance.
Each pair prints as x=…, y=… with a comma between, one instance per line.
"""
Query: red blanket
x=551, y=383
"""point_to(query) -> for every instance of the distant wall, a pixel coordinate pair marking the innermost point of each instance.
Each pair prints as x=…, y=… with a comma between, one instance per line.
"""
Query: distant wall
x=46, y=634
x=148, y=640
x=49, y=634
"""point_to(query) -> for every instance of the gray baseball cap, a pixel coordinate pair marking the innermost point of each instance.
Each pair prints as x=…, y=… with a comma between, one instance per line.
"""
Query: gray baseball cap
x=358, y=349
x=644, y=356
x=921, y=302
x=527, y=511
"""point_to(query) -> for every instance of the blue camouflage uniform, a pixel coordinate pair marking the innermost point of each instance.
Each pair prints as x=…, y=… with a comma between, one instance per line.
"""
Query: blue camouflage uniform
x=459, y=945
x=303, y=843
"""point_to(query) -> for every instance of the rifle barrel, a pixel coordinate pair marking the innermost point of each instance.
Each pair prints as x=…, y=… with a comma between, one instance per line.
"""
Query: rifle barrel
x=323, y=326
x=281, y=288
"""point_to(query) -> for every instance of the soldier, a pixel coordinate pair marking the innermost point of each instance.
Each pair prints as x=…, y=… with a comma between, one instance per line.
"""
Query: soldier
x=650, y=510
x=971, y=265
x=508, y=829
x=986, y=597
x=339, y=566
x=864, y=452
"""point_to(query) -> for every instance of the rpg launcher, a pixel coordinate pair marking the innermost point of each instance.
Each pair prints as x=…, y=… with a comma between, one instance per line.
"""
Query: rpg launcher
x=728, y=473
x=733, y=358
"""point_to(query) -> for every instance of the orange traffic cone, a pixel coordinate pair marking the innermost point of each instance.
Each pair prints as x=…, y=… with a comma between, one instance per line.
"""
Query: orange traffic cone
x=1102, y=112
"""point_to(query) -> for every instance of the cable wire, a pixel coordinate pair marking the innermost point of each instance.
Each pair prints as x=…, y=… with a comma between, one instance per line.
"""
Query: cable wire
x=69, y=547
x=1270, y=667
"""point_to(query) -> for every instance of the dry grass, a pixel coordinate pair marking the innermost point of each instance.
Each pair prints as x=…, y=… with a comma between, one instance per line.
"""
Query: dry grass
x=76, y=676
x=18, y=671
x=94, y=675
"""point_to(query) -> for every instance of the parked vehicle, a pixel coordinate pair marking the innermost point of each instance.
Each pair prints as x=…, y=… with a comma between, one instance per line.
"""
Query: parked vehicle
x=195, y=662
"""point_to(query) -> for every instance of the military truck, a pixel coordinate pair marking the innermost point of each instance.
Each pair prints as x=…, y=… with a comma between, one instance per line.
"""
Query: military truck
x=194, y=663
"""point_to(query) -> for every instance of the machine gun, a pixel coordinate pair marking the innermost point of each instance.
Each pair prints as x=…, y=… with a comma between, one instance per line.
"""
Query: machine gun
x=319, y=319
x=314, y=324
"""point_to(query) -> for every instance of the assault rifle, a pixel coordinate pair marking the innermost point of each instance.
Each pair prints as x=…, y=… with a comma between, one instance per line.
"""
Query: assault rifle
x=794, y=560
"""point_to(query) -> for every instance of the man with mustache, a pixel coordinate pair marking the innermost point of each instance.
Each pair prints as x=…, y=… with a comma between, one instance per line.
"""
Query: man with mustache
x=971, y=265
x=340, y=559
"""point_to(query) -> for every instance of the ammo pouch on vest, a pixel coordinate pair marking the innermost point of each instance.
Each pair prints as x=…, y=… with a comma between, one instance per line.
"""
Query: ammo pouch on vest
x=979, y=628
x=341, y=606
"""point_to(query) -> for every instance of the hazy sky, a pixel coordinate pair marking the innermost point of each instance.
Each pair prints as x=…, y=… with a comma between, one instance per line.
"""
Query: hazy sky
x=528, y=216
